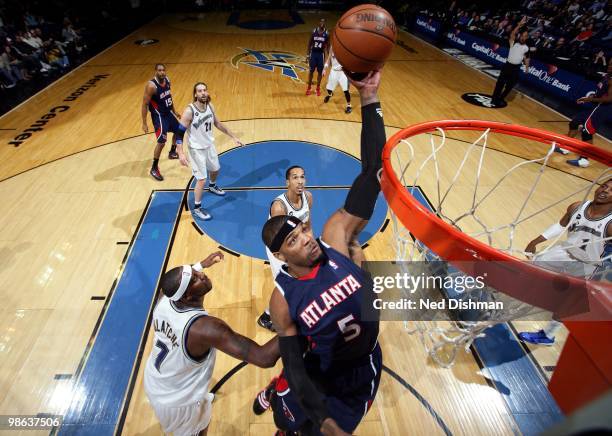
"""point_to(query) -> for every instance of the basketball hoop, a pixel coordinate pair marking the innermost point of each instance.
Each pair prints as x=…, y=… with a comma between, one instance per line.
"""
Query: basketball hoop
x=422, y=233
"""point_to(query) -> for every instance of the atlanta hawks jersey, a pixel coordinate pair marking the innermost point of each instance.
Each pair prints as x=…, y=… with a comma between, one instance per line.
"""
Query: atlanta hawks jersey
x=326, y=307
x=585, y=236
x=172, y=377
x=201, y=129
x=602, y=86
x=161, y=101
x=319, y=40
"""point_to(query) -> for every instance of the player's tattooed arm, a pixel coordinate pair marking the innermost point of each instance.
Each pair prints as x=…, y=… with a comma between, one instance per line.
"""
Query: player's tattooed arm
x=308, y=396
x=209, y=332
x=146, y=98
x=277, y=208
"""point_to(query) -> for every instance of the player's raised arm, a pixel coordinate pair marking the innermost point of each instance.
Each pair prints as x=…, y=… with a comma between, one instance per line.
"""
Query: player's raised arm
x=345, y=224
x=184, y=124
x=308, y=396
x=553, y=231
x=146, y=98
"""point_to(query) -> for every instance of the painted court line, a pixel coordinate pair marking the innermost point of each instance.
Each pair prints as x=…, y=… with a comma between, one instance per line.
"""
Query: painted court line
x=99, y=394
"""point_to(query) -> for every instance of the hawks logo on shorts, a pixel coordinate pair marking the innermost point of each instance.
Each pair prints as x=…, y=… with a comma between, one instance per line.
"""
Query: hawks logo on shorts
x=287, y=412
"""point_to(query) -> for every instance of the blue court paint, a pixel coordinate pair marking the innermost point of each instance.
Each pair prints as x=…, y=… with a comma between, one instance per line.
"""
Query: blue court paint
x=99, y=394
x=263, y=164
x=528, y=399
x=239, y=216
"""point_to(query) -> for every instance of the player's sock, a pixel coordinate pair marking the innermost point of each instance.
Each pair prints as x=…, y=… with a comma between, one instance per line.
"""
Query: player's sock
x=552, y=328
x=155, y=163
x=262, y=400
x=347, y=95
x=212, y=184
x=173, y=148
x=318, y=91
x=198, y=205
x=267, y=310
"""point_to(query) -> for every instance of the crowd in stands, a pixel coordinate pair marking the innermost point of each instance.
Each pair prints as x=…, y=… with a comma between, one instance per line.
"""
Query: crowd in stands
x=575, y=34
x=40, y=40
x=33, y=46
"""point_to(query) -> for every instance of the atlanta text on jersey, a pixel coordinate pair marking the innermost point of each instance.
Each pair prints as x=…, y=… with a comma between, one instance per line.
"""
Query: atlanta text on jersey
x=328, y=299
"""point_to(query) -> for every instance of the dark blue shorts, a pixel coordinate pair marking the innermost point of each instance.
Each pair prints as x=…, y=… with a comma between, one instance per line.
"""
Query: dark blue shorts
x=592, y=118
x=164, y=124
x=316, y=61
x=349, y=395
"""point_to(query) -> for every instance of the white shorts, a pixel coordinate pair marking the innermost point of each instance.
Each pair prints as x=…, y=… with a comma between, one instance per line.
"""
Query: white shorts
x=337, y=78
x=188, y=420
x=558, y=259
x=275, y=264
x=203, y=160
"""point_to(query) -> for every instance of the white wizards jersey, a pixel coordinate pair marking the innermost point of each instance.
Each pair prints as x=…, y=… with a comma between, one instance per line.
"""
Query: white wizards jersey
x=201, y=130
x=303, y=213
x=334, y=62
x=585, y=236
x=173, y=378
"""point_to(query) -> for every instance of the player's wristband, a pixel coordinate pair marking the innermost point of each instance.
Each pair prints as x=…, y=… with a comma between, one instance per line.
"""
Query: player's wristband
x=180, y=133
x=197, y=266
x=553, y=231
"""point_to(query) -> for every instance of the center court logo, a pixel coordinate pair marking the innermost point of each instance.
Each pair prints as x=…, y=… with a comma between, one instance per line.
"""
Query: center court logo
x=482, y=100
x=289, y=64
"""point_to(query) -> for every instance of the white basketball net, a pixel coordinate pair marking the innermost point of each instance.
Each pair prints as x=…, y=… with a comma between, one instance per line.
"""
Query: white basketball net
x=480, y=182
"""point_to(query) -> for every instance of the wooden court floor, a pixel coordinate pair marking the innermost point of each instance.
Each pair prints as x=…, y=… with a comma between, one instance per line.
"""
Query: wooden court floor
x=74, y=189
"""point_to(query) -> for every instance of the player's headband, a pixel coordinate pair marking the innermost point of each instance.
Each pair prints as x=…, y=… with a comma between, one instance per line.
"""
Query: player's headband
x=289, y=225
x=185, y=280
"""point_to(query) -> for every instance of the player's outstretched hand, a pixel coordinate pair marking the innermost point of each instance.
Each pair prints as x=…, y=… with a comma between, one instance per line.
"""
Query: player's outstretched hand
x=582, y=100
x=330, y=428
x=182, y=157
x=238, y=142
x=368, y=87
x=531, y=248
x=213, y=258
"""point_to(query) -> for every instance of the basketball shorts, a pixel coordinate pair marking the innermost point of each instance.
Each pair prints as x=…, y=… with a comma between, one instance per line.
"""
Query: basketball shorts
x=558, y=259
x=164, y=124
x=592, y=119
x=275, y=264
x=349, y=392
x=203, y=160
x=187, y=420
x=337, y=77
x=316, y=61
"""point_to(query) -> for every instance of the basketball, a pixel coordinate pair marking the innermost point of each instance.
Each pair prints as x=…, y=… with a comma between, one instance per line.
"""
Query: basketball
x=363, y=38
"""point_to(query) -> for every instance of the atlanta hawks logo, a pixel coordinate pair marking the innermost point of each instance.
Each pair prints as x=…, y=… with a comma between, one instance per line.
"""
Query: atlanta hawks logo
x=270, y=60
